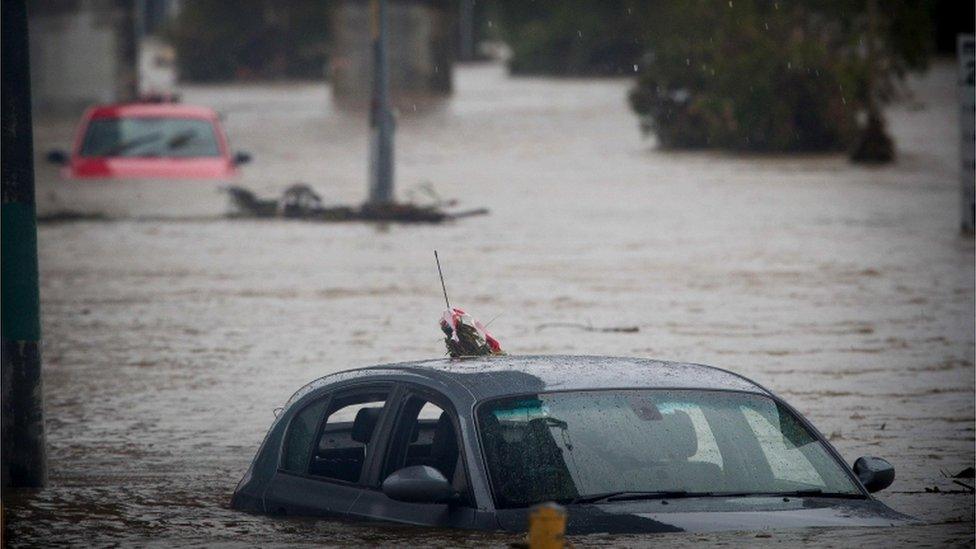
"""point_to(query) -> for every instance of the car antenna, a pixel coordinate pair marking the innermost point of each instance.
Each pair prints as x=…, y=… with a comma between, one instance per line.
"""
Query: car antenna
x=441, y=274
x=464, y=336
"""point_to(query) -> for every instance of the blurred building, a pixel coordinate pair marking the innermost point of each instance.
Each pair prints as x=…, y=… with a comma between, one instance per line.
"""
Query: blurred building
x=82, y=52
x=422, y=37
x=88, y=51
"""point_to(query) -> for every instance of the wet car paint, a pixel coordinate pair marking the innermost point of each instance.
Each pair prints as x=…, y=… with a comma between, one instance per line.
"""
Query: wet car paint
x=719, y=515
x=218, y=167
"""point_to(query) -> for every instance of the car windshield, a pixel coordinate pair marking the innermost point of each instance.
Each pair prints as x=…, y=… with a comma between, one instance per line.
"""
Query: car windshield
x=150, y=137
x=579, y=446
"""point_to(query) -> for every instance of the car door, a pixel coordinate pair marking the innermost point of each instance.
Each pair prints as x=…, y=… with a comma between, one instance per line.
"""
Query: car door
x=324, y=461
x=423, y=430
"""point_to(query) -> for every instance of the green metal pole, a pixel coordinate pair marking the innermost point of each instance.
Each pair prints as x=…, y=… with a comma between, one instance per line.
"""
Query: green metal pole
x=24, y=462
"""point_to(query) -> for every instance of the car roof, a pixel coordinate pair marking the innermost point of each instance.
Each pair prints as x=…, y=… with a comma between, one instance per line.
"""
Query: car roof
x=499, y=376
x=176, y=110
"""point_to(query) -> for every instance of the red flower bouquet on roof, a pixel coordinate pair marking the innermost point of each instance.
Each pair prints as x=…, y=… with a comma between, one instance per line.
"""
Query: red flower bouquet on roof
x=465, y=336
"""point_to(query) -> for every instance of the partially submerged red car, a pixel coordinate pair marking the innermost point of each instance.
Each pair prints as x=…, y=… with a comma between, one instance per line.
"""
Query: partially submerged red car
x=149, y=141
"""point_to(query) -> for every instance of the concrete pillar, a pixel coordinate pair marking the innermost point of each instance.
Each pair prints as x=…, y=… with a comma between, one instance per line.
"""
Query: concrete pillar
x=83, y=52
x=421, y=50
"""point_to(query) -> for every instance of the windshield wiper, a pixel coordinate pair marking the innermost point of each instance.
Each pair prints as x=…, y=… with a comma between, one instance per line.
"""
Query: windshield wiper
x=811, y=493
x=629, y=495
x=818, y=493
x=134, y=142
x=679, y=494
x=181, y=139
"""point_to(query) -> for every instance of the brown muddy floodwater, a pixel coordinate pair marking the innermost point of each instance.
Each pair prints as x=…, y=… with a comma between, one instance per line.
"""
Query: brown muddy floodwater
x=168, y=342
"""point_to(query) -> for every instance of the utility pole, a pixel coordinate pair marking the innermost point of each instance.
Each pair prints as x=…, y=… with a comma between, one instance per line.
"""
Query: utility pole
x=380, y=114
x=466, y=30
x=967, y=131
x=127, y=50
x=138, y=33
x=24, y=463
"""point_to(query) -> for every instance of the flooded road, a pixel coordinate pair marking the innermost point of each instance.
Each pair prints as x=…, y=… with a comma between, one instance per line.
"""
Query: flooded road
x=168, y=342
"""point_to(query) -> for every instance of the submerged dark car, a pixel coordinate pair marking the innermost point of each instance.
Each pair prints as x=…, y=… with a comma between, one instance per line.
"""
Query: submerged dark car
x=627, y=445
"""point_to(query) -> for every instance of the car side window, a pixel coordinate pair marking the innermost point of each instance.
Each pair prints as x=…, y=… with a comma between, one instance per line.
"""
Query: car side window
x=301, y=435
x=425, y=434
x=346, y=436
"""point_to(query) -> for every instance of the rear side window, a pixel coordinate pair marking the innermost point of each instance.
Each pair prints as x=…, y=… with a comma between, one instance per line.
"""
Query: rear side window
x=347, y=434
x=301, y=435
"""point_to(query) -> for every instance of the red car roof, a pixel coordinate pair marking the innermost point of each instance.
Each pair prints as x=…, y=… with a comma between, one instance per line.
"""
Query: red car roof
x=176, y=110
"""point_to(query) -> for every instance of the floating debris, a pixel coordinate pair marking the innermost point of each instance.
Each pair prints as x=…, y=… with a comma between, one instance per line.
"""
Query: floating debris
x=300, y=201
x=589, y=327
x=968, y=472
x=971, y=489
x=246, y=204
x=68, y=216
x=936, y=490
x=426, y=193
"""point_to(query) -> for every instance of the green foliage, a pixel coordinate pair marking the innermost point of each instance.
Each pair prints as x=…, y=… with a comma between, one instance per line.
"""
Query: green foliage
x=570, y=37
x=219, y=40
x=772, y=76
x=743, y=74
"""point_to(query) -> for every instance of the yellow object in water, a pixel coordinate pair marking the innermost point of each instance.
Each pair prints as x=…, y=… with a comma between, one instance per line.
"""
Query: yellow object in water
x=547, y=526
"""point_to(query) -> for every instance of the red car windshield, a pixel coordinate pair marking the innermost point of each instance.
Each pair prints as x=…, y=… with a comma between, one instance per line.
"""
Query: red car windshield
x=150, y=137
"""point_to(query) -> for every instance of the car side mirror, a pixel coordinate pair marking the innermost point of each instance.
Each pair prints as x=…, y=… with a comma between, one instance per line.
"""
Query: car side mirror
x=875, y=473
x=418, y=484
x=57, y=157
x=242, y=157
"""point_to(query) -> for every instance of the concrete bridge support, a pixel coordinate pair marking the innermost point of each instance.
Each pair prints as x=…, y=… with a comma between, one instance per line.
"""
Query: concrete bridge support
x=82, y=52
x=421, y=51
